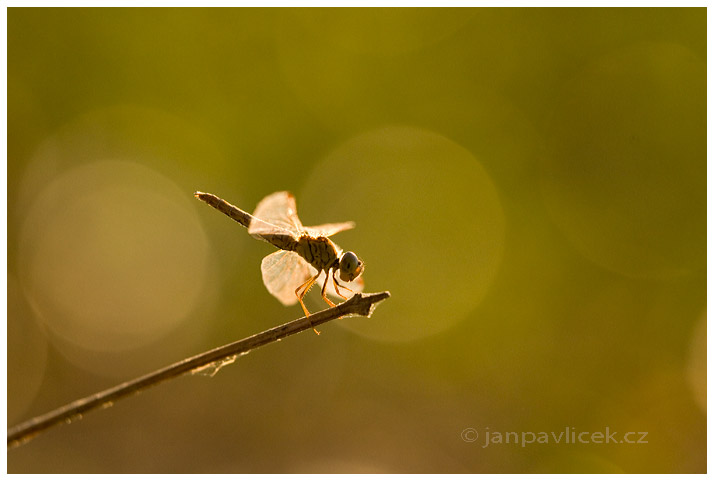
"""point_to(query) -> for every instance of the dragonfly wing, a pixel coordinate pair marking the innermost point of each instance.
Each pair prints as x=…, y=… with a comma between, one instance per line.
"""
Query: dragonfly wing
x=329, y=229
x=276, y=213
x=283, y=272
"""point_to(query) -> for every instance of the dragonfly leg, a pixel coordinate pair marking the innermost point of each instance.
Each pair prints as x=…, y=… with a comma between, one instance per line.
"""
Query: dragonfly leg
x=303, y=289
x=336, y=284
x=322, y=292
x=341, y=286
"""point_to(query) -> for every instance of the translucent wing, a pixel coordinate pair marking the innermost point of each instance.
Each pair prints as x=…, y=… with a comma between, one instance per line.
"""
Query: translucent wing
x=328, y=229
x=276, y=214
x=283, y=272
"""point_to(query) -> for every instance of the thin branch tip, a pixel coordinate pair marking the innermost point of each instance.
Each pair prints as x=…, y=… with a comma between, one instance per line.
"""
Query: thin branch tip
x=365, y=303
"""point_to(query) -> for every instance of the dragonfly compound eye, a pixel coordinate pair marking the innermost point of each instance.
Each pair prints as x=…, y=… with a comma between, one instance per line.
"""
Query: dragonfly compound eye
x=350, y=266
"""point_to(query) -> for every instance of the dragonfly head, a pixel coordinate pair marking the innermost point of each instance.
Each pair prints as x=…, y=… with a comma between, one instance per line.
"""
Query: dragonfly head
x=350, y=266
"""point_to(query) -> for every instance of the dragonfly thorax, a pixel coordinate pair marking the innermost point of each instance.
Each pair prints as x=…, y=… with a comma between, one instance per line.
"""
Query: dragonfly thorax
x=319, y=251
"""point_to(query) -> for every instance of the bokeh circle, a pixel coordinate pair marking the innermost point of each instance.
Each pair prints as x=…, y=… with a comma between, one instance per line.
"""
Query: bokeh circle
x=430, y=226
x=112, y=255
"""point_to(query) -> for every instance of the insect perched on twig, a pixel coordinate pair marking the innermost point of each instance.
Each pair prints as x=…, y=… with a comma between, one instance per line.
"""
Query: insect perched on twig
x=306, y=254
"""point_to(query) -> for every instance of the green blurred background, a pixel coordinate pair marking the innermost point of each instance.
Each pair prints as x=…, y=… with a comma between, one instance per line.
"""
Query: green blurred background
x=530, y=185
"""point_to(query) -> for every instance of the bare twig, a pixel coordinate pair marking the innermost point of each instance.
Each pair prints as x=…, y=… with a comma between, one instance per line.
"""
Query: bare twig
x=360, y=304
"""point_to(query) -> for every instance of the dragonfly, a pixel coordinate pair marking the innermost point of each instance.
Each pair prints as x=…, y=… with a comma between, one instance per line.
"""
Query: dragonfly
x=305, y=253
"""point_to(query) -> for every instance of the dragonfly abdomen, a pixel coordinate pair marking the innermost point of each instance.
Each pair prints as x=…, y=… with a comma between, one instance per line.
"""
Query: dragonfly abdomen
x=225, y=207
x=280, y=241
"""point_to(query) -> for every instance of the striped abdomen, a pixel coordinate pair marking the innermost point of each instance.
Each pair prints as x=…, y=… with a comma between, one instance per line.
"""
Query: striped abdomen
x=225, y=207
x=282, y=241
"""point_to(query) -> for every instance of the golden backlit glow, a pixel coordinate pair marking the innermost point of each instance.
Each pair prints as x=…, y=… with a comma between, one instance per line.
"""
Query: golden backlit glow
x=87, y=241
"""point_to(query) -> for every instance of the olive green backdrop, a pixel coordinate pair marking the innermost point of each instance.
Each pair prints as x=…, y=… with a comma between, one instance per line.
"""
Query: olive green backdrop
x=530, y=185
